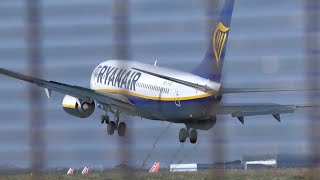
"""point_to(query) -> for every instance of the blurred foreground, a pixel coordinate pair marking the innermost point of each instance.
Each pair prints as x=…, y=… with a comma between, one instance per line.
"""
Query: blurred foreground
x=216, y=174
x=273, y=44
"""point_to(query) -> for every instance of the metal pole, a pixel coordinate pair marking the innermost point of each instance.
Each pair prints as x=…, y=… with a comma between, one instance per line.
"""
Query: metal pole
x=122, y=50
x=313, y=65
x=218, y=141
x=121, y=29
x=37, y=123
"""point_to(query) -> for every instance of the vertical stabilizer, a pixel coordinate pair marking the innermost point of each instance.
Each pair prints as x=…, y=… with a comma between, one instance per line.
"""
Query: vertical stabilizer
x=211, y=66
x=155, y=167
x=70, y=171
x=85, y=170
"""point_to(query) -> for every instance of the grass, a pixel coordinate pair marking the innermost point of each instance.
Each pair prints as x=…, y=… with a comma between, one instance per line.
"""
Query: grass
x=268, y=174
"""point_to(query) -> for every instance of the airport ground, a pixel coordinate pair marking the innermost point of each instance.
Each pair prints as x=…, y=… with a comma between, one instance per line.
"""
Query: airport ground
x=274, y=174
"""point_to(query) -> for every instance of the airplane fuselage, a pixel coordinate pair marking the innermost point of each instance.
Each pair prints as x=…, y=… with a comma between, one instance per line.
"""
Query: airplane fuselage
x=162, y=99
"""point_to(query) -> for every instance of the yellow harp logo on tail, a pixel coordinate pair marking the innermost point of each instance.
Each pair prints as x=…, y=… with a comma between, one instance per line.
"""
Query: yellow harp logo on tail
x=219, y=40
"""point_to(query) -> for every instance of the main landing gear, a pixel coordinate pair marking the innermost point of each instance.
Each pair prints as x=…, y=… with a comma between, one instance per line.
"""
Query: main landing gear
x=114, y=125
x=185, y=133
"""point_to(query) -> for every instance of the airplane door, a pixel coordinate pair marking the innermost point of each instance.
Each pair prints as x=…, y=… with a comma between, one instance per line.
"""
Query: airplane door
x=177, y=98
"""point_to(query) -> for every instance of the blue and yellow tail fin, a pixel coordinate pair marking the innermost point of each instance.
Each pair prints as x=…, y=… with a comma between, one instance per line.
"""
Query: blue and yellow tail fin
x=211, y=66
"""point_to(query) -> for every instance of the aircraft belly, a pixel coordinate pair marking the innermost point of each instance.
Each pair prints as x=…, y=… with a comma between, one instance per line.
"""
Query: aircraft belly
x=168, y=110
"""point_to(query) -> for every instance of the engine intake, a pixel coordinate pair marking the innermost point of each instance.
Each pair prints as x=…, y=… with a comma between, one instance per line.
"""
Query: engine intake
x=76, y=107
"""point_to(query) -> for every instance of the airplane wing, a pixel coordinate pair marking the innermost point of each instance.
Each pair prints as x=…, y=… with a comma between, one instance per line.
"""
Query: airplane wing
x=254, y=109
x=200, y=87
x=254, y=90
x=85, y=94
x=223, y=90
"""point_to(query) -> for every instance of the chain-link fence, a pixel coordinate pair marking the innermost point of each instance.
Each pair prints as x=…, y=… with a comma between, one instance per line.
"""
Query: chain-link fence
x=271, y=44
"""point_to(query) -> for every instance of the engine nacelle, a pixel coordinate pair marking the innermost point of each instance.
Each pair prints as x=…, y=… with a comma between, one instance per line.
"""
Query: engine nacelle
x=205, y=124
x=76, y=107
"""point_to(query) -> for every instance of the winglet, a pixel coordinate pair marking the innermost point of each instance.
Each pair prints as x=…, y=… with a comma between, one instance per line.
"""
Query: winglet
x=48, y=92
x=155, y=62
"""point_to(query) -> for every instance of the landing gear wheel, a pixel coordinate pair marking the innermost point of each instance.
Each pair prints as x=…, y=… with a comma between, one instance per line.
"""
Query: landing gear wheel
x=122, y=129
x=183, y=134
x=111, y=127
x=104, y=119
x=193, y=136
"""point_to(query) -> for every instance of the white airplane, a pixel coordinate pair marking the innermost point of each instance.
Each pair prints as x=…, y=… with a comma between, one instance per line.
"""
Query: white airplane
x=163, y=94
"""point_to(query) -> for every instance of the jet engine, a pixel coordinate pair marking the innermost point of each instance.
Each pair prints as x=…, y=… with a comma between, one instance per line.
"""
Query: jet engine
x=77, y=107
x=204, y=124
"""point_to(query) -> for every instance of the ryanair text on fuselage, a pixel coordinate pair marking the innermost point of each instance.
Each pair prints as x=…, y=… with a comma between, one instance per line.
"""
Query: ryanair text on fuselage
x=117, y=77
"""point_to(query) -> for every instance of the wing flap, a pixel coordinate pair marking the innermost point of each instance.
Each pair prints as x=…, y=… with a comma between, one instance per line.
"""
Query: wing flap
x=241, y=110
x=263, y=112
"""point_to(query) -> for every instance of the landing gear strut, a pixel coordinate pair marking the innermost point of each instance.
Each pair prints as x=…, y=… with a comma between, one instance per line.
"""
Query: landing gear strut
x=104, y=119
x=185, y=133
x=114, y=125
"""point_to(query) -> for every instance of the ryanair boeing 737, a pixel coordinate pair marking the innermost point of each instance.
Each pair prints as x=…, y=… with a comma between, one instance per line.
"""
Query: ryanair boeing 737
x=163, y=94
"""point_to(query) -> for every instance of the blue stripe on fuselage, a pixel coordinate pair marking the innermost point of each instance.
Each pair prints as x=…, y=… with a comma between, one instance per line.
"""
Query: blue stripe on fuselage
x=194, y=109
